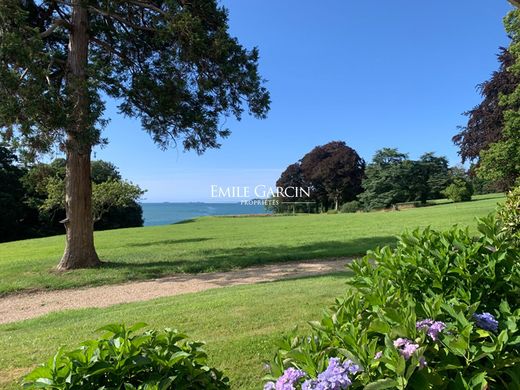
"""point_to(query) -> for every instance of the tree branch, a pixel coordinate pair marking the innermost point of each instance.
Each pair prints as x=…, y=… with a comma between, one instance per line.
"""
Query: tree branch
x=62, y=13
x=55, y=24
x=149, y=5
x=24, y=74
x=516, y=3
x=108, y=48
x=121, y=19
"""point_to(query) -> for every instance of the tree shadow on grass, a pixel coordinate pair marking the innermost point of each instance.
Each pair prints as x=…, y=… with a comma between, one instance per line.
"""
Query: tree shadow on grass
x=168, y=242
x=225, y=259
x=342, y=275
x=183, y=221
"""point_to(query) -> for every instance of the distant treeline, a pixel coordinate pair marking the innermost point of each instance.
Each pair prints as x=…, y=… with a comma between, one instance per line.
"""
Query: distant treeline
x=490, y=142
x=31, y=203
x=341, y=180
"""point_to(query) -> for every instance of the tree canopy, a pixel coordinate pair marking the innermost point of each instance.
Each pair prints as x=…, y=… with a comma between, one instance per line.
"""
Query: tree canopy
x=13, y=210
x=486, y=120
x=501, y=161
x=103, y=171
x=172, y=64
x=393, y=178
x=491, y=139
x=32, y=198
x=385, y=179
x=108, y=194
x=333, y=172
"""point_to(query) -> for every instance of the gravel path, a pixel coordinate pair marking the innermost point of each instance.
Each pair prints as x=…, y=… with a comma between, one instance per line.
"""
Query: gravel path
x=29, y=305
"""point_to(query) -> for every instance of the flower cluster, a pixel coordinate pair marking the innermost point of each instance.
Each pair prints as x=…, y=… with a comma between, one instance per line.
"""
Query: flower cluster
x=486, y=321
x=287, y=381
x=405, y=347
x=335, y=377
x=432, y=328
x=338, y=375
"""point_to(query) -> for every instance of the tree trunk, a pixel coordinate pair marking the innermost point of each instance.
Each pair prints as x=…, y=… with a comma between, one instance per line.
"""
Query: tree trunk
x=79, y=249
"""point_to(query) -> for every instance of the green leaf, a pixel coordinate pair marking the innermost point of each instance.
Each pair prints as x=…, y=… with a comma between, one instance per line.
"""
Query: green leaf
x=489, y=348
x=386, y=383
x=137, y=326
x=38, y=373
x=478, y=381
x=482, y=333
x=457, y=345
x=112, y=328
x=379, y=326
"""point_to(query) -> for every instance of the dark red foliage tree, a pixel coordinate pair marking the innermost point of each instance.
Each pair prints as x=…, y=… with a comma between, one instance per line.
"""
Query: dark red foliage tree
x=334, y=171
x=291, y=177
x=486, y=120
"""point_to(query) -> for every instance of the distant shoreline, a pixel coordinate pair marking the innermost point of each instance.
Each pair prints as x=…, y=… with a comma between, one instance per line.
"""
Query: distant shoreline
x=196, y=202
x=166, y=213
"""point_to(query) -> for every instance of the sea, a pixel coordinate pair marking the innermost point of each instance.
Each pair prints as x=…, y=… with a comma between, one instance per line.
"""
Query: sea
x=167, y=213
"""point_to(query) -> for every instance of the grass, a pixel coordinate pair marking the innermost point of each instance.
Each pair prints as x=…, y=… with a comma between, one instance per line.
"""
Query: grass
x=222, y=243
x=240, y=324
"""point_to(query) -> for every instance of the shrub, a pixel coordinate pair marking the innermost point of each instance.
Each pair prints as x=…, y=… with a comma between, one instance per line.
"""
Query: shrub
x=124, y=359
x=351, y=207
x=453, y=264
x=460, y=190
x=510, y=212
x=440, y=311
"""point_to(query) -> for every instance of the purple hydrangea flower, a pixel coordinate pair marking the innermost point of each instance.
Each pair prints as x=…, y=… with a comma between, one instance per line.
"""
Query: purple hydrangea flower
x=287, y=381
x=335, y=377
x=408, y=350
x=400, y=342
x=405, y=347
x=436, y=328
x=308, y=384
x=432, y=328
x=486, y=321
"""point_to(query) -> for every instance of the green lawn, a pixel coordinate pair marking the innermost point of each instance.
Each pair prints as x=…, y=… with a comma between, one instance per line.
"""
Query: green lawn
x=223, y=243
x=240, y=324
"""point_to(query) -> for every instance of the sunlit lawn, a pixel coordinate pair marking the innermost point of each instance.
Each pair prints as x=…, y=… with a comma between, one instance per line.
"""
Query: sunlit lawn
x=241, y=325
x=223, y=243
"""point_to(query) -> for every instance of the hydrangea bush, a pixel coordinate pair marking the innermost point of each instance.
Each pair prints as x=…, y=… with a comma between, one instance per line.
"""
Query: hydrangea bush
x=510, y=213
x=126, y=359
x=439, y=311
x=338, y=375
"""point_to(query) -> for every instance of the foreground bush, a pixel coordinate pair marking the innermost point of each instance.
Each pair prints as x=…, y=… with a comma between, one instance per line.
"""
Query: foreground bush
x=510, y=213
x=124, y=359
x=440, y=311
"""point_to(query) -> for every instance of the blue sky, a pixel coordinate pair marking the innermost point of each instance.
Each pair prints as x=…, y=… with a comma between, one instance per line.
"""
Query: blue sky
x=371, y=73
